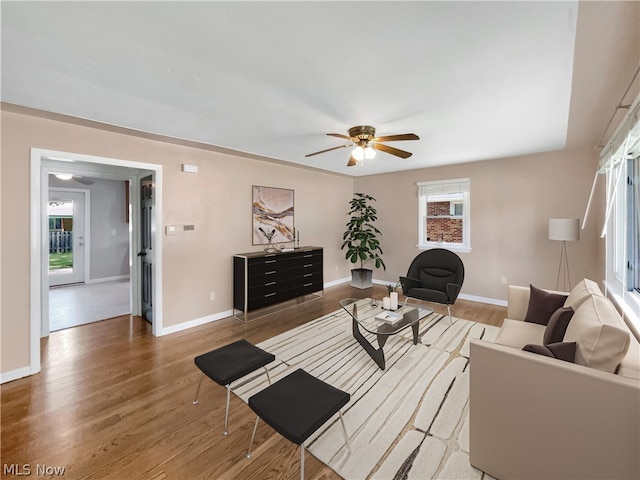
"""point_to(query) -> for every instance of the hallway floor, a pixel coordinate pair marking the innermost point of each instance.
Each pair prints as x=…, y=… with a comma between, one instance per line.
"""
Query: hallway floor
x=73, y=305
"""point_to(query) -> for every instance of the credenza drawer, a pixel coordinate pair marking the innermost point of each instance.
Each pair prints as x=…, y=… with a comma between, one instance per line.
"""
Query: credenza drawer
x=306, y=270
x=304, y=288
x=268, y=264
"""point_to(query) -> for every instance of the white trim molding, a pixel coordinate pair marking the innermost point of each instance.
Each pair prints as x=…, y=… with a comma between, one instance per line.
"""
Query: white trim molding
x=15, y=374
x=196, y=322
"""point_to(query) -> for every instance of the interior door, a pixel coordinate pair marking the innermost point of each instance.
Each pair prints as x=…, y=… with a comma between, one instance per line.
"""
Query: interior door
x=66, y=212
x=146, y=246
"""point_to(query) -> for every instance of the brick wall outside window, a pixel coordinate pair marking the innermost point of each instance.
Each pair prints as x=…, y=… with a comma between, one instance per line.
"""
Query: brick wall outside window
x=443, y=229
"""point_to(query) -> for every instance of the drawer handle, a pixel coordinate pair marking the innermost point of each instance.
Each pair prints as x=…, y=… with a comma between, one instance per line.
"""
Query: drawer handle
x=308, y=265
x=270, y=294
x=270, y=261
x=270, y=273
x=308, y=256
x=309, y=275
x=308, y=284
x=269, y=284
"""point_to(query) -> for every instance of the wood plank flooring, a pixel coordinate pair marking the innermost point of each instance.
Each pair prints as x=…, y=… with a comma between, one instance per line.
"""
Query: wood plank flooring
x=112, y=401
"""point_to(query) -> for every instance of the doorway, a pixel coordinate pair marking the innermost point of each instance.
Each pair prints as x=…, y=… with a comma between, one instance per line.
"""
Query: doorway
x=67, y=214
x=45, y=162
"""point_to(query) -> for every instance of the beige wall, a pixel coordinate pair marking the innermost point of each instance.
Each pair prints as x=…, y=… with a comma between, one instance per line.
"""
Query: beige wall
x=217, y=201
x=512, y=200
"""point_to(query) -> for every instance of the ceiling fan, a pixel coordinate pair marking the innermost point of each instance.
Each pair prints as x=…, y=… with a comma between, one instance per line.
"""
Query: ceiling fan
x=366, y=143
x=77, y=178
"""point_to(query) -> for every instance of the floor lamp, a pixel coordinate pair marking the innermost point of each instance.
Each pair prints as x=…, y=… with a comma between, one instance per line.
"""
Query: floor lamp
x=564, y=230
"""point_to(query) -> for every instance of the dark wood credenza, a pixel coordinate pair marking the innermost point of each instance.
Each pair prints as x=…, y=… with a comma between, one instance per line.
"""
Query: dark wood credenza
x=261, y=279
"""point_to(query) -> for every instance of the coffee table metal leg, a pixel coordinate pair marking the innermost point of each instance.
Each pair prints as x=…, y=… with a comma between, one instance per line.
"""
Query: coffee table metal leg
x=415, y=327
x=377, y=354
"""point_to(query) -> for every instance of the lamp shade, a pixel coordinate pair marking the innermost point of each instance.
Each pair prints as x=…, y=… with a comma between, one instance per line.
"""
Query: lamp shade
x=566, y=229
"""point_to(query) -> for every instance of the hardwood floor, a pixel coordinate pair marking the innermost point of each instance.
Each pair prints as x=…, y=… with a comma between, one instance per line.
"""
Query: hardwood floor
x=112, y=401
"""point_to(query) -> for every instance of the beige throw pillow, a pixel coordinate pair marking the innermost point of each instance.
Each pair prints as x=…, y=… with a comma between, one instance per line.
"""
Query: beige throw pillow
x=581, y=292
x=596, y=328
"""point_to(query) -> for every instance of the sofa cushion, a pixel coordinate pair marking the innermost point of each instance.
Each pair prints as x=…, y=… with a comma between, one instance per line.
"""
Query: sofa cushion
x=515, y=333
x=583, y=290
x=542, y=304
x=599, y=332
x=557, y=325
x=562, y=350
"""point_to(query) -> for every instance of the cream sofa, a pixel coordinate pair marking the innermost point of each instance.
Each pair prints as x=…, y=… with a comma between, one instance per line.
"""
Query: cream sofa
x=533, y=416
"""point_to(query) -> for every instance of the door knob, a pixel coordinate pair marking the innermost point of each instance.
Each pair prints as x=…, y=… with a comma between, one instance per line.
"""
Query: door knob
x=142, y=254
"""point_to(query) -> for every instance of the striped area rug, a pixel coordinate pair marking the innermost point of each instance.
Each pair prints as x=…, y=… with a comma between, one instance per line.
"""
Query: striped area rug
x=409, y=421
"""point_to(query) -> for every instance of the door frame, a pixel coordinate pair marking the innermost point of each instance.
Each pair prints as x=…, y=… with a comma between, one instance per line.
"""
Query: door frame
x=87, y=231
x=45, y=161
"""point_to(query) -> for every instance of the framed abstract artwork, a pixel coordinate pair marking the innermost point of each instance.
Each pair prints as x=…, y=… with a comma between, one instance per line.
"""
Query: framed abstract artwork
x=272, y=215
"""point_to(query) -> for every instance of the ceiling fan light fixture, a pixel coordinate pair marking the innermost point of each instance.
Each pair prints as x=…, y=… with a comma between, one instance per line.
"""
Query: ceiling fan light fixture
x=63, y=176
x=369, y=153
x=358, y=153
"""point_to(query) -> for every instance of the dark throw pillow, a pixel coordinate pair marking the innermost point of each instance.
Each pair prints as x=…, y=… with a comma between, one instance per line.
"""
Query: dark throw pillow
x=557, y=325
x=565, y=351
x=542, y=305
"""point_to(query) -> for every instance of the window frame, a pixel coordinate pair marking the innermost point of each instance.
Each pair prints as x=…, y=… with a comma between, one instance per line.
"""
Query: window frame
x=445, y=187
x=621, y=165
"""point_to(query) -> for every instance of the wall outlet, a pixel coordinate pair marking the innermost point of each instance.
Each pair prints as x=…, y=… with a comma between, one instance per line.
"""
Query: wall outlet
x=503, y=280
x=212, y=296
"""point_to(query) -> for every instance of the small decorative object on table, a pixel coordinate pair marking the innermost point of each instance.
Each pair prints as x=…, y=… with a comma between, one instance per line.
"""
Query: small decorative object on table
x=393, y=288
x=389, y=317
x=269, y=236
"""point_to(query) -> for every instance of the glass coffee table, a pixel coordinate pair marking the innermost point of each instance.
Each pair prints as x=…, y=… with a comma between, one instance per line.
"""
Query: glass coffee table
x=368, y=314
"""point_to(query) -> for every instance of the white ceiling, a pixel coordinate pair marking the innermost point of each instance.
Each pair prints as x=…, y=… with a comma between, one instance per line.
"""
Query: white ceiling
x=475, y=80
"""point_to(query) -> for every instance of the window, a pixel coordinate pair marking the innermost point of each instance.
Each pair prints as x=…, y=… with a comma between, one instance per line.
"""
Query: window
x=443, y=214
x=621, y=163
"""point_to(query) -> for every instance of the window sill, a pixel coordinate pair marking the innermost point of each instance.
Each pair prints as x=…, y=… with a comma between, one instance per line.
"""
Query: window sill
x=448, y=246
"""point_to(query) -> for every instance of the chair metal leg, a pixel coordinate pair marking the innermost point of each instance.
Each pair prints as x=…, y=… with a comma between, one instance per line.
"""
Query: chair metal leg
x=344, y=432
x=195, y=400
x=267, y=372
x=302, y=461
x=226, y=412
x=255, y=427
x=451, y=322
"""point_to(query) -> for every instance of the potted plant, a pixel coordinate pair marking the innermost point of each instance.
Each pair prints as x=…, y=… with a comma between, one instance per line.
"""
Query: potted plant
x=361, y=240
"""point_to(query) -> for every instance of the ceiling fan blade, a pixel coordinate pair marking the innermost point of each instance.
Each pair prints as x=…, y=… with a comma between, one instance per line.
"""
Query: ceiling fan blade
x=393, y=138
x=352, y=161
x=327, y=150
x=83, y=180
x=339, y=135
x=393, y=151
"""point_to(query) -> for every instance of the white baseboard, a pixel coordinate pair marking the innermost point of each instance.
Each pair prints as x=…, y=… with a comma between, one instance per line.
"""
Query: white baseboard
x=196, y=323
x=107, y=279
x=15, y=374
x=490, y=301
x=337, y=282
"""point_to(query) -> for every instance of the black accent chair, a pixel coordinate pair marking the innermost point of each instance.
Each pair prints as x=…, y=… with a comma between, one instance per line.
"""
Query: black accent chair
x=435, y=275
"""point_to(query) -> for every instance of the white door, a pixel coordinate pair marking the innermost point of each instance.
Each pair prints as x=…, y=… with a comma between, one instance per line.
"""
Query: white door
x=66, y=212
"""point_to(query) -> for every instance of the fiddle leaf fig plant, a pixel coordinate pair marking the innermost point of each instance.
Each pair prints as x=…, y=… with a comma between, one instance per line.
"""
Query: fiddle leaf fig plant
x=361, y=239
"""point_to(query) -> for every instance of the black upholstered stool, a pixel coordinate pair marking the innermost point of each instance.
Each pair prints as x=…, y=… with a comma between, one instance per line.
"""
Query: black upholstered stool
x=296, y=406
x=229, y=363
